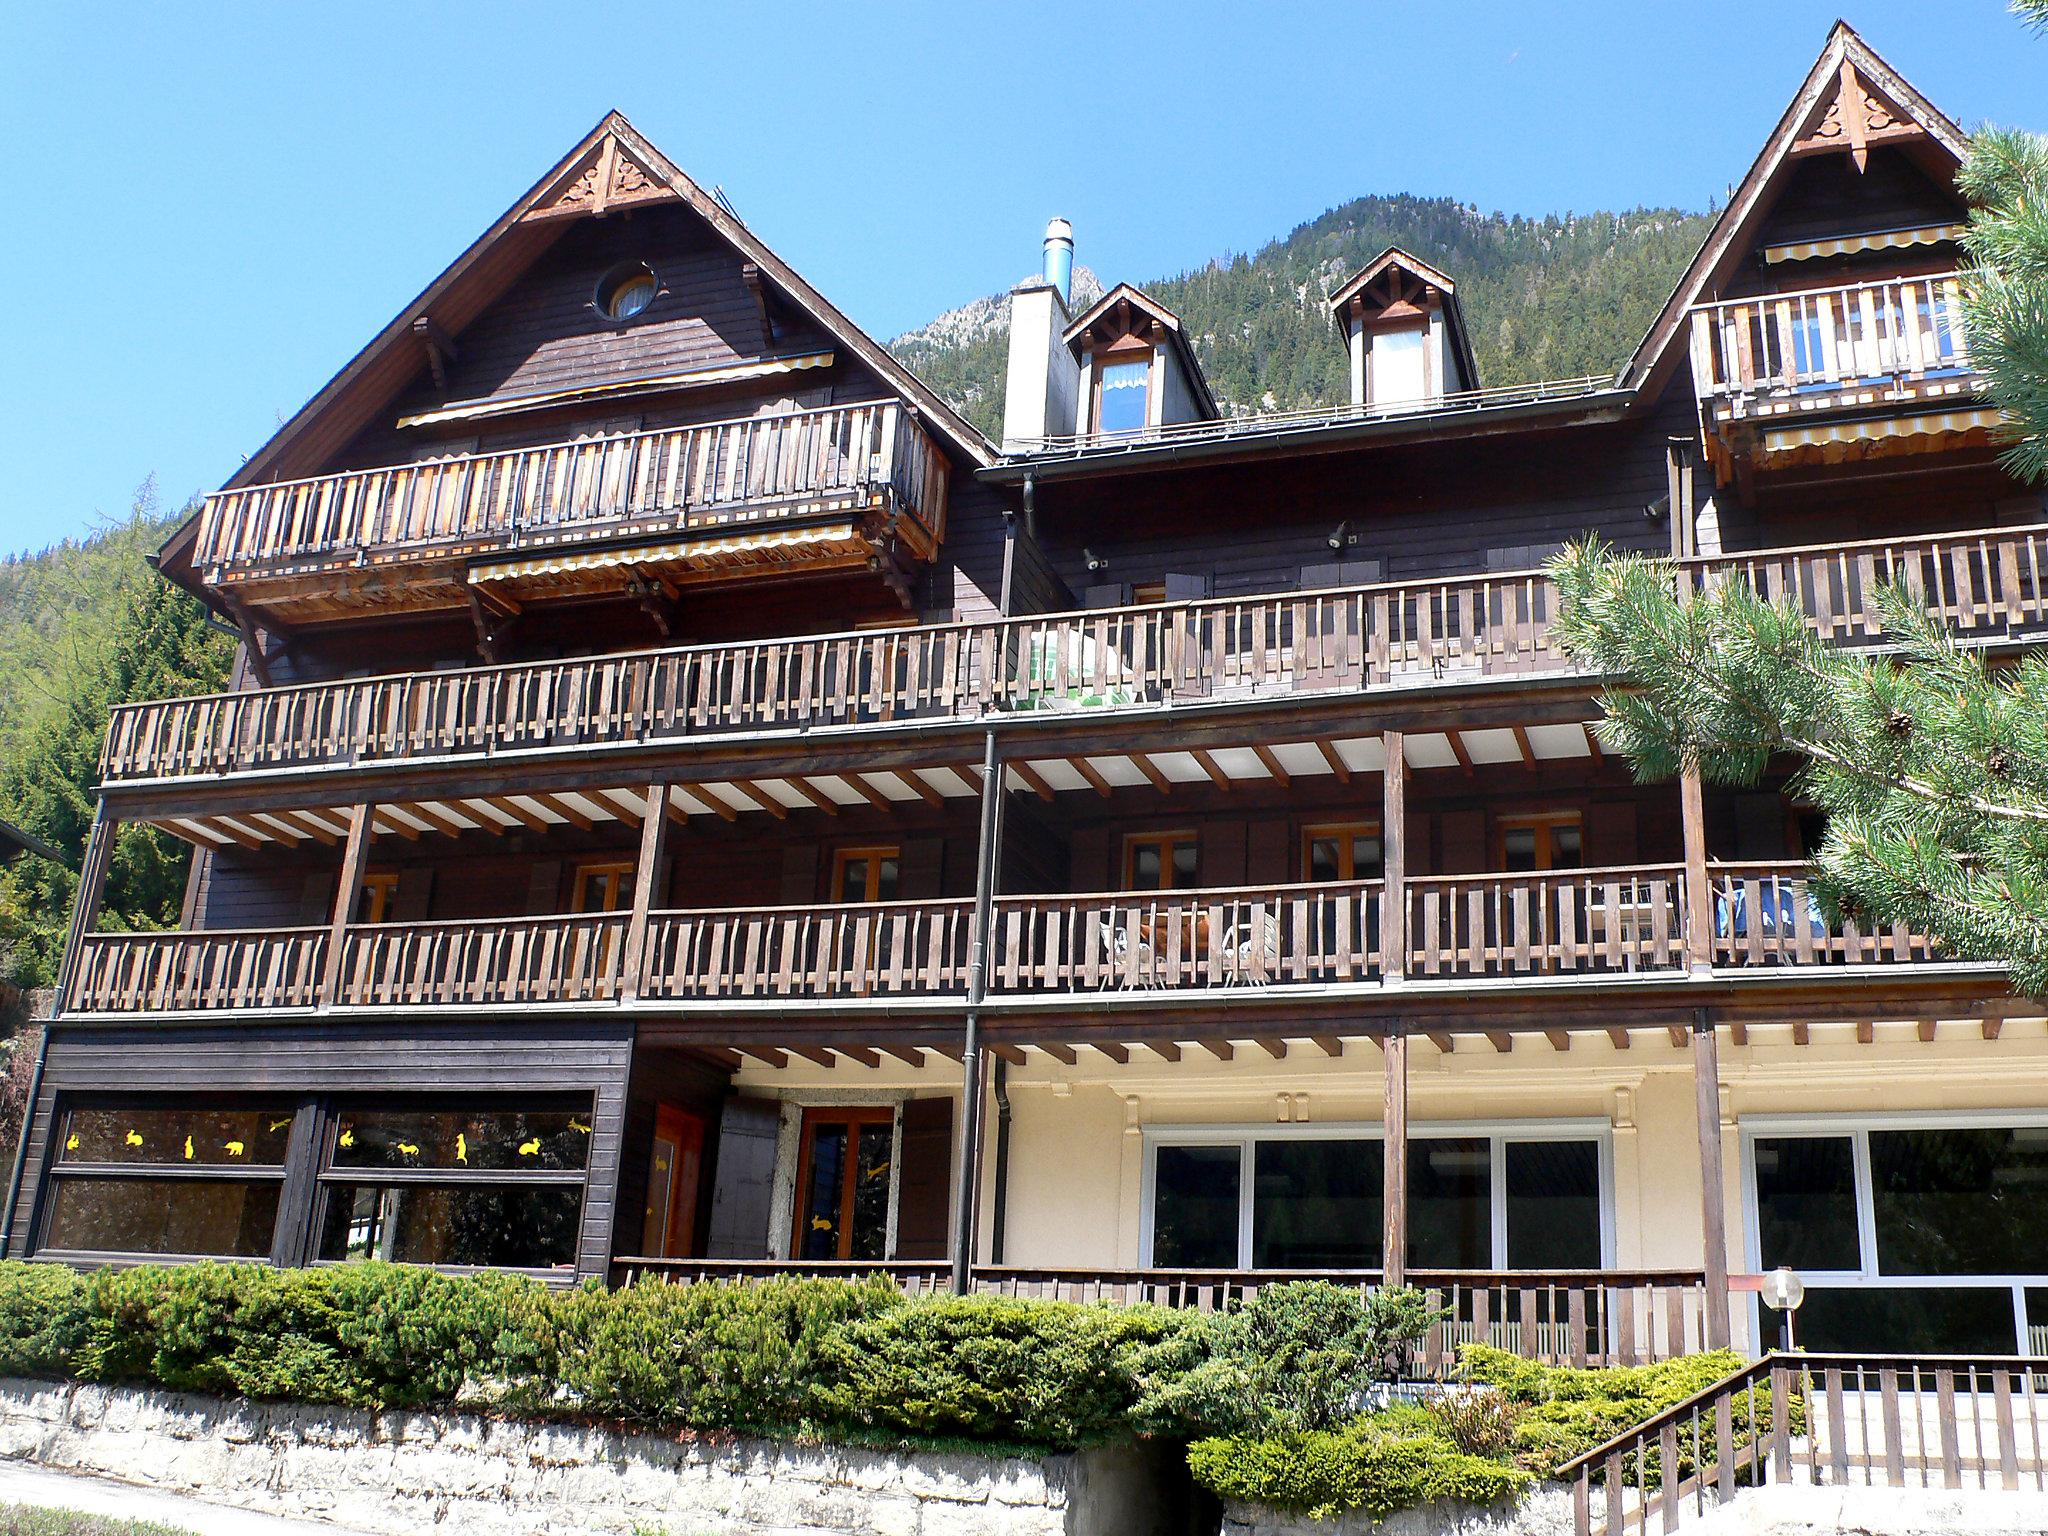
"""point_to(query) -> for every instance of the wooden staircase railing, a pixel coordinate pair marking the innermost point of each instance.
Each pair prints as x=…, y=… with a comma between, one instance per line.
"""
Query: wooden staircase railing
x=1821, y=1420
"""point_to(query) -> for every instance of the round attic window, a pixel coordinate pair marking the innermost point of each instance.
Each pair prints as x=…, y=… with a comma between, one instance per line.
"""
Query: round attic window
x=626, y=290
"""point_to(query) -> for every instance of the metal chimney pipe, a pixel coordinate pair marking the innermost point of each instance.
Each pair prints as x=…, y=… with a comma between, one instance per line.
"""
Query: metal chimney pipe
x=1059, y=258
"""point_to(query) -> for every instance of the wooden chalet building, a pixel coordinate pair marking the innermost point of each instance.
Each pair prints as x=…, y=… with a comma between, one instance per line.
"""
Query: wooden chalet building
x=691, y=805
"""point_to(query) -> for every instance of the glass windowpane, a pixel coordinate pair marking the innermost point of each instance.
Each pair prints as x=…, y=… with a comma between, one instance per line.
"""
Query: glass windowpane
x=1962, y=1201
x=871, y=1192
x=1317, y=1204
x=1553, y=1199
x=529, y=1227
x=1450, y=1203
x=527, y=1140
x=1195, y=1207
x=821, y=1200
x=218, y=1218
x=174, y=1134
x=1902, y=1320
x=1806, y=1203
x=1123, y=395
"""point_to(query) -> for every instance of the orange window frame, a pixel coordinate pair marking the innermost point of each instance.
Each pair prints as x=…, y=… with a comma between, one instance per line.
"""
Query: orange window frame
x=873, y=854
x=1545, y=825
x=617, y=875
x=379, y=894
x=1166, y=843
x=1344, y=834
x=853, y=1117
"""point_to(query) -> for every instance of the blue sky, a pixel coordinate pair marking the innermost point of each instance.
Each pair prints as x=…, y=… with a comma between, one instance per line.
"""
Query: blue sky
x=212, y=207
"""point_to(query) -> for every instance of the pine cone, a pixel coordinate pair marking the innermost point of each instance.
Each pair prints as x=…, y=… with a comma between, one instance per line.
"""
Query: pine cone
x=1899, y=723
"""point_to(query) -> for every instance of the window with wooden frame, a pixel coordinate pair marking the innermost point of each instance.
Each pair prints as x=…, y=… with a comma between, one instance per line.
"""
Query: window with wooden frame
x=602, y=885
x=379, y=898
x=167, y=1179
x=1549, y=840
x=486, y=1183
x=1341, y=850
x=1148, y=593
x=867, y=874
x=1162, y=861
x=1122, y=391
x=843, y=1181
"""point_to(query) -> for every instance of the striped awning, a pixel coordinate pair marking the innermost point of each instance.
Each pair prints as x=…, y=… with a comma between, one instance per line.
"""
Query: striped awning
x=1849, y=245
x=1876, y=429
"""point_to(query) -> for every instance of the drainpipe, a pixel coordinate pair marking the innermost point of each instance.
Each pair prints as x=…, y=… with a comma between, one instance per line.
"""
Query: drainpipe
x=28, y=1120
x=977, y=987
x=1002, y=1190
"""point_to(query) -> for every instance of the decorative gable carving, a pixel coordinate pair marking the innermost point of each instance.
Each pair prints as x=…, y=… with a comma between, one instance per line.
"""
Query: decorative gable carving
x=1854, y=118
x=608, y=177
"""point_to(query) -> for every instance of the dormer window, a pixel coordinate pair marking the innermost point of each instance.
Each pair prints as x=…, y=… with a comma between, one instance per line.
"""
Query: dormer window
x=1406, y=334
x=1399, y=364
x=1123, y=394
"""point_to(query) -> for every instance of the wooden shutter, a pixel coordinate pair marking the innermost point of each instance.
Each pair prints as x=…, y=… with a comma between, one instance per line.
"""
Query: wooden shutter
x=1186, y=586
x=744, y=1181
x=925, y=1179
x=1108, y=594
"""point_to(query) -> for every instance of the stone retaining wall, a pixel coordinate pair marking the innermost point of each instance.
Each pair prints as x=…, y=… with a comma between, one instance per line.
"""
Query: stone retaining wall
x=1544, y=1511
x=406, y=1473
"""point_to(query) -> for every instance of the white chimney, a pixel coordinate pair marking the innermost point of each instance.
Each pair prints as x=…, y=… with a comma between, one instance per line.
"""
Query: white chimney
x=1044, y=380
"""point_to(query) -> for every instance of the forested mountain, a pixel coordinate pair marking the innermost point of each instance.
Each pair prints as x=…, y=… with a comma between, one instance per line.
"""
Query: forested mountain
x=1551, y=298
x=85, y=625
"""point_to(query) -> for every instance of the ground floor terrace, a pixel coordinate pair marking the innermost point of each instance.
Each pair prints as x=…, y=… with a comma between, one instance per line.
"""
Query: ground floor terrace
x=1584, y=1184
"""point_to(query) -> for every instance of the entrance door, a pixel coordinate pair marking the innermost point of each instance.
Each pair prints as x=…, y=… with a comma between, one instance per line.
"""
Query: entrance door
x=675, y=1166
x=843, y=1178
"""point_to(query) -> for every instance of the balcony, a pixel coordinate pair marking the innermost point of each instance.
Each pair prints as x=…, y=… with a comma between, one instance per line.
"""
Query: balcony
x=1990, y=586
x=1866, y=370
x=823, y=485
x=1464, y=933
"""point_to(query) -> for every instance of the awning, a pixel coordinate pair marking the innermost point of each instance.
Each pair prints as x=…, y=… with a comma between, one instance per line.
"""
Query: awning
x=1849, y=245
x=831, y=538
x=1879, y=428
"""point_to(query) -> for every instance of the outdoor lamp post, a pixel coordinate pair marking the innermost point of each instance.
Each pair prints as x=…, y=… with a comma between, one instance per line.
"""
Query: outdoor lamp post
x=1783, y=1291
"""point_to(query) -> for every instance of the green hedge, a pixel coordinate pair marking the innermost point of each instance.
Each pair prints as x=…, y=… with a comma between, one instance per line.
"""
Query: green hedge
x=1379, y=1464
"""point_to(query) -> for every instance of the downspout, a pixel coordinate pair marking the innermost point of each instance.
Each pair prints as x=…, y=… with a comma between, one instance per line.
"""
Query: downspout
x=966, y=1203
x=1002, y=1189
x=28, y=1120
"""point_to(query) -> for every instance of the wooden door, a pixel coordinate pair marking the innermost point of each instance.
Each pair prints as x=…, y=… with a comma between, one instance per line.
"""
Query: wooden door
x=843, y=1181
x=675, y=1167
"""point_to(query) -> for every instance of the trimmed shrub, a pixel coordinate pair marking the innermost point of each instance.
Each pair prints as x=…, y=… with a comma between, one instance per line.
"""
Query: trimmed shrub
x=1042, y=1373
x=710, y=1356
x=1365, y=1465
x=42, y=1321
x=1296, y=1358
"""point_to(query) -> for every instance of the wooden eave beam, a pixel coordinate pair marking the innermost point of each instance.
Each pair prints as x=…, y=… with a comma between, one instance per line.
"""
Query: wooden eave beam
x=760, y=796
x=767, y=1055
x=1116, y=1052
x=1593, y=748
x=1522, y=746
x=1165, y=1050
x=1013, y=1054
x=386, y=820
x=1065, y=1055
x=816, y=1055
x=305, y=825
x=1211, y=767
x=226, y=831
x=1334, y=758
x=803, y=787
x=532, y=820
x=1272, y=764
x=564, y=809
x=909, y=1055
x=1090, y=775
x=1277, y=1049
x=444, y=824
x=912, y=780
x=1033, y=779
x=1150, y=769
x=1457, y=740
x=625, y=804
x=1442, y=1040
x=1222, y=1050
x=867, y=791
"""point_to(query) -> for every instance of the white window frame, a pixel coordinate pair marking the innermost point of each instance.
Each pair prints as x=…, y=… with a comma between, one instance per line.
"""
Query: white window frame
x=1496, y=1133
x=1870, y=1272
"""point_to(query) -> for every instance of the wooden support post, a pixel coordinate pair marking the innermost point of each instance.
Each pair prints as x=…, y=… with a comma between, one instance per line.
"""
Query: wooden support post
x=646, y=875
x=85, y=905
x=1699, y=896
x=1394, y=1126
x=348, y=892
x=1394, y=860
x=967, y=1207
x=1706, y=1071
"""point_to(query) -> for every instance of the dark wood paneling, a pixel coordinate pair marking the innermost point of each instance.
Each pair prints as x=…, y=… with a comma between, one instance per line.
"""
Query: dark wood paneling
x=743, y=1179
x=924, y=1179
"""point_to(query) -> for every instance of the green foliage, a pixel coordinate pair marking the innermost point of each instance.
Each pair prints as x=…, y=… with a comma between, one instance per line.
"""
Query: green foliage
x=2006, y=295
x=1296, y=1358
x=1556, y=297
x=1932, y=766
x=711, y=1356
x=996, y=1368
x=23, y=1520
x=84, y=626
x=1380, y=1464
x=1480, y=1421
x=1566, y=1411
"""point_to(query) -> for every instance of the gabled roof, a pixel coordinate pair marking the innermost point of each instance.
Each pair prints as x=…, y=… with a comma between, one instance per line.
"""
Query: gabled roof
x=1170, y=327
x=612, y=166
x=1394, y=259
x=1850, y=99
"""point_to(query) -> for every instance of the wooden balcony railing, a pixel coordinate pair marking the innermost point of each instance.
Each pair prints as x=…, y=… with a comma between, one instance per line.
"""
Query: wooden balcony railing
x=724, y=472
x=1580, y=922
x=1905, y=328
x=894, y=949
x=1766, y=914
x=567, y=959
x=1482, y=929
x=220, y=969
x=1561, y=1317
x=1991, y=586
x=1249, y=936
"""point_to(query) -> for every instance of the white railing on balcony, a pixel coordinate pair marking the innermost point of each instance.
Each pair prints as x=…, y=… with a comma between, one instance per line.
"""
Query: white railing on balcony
x=1825, y=338
x=712, y=475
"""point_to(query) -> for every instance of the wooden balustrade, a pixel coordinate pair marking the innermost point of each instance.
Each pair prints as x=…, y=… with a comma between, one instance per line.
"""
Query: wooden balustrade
x=1767, y=914
x=1580, y=922
x=1825, y=1421
x=1250, y=936
x=638, y=482
x=1900, y=328
x=212, y=970
x=1564, y=1317
x=1474, y=928
x=565, y=959
x=1989, y=585
x=890, y=949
